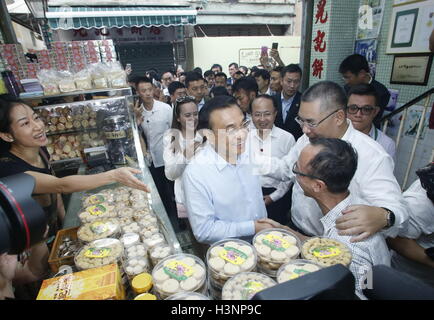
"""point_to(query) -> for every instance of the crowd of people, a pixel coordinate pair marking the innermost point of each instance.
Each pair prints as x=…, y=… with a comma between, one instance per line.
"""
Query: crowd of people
x=232, y=155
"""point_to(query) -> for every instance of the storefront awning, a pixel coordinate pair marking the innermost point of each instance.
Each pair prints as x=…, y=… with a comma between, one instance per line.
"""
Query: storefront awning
x=67, y=18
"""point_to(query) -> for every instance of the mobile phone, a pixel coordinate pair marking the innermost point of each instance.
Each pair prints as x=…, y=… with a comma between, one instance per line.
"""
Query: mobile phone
x=264, y=51
x=275, y=45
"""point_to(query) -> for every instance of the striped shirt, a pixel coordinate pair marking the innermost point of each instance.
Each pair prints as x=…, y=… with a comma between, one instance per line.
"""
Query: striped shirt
x=366, y=253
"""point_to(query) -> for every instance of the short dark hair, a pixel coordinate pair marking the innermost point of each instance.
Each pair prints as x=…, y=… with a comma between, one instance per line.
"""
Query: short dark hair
x=143, y=79
x=267, y=97
x=330, y=94
x=264, y=74
x=240, y=73
x=133, y=78
x=253, y=71
x=175, y=85
x=277, y=69
x=291, y=68
x=192, y=76
x=221, y=74
x=247, y=84
x=244, y=68
x=216, y=103
x=198, y=70
x=208, y=73
x=364, y=89
x=219, y=91
x=335, y=164
x=233, y=64
x=170, y=71
x=216, y=65
x=354, y=64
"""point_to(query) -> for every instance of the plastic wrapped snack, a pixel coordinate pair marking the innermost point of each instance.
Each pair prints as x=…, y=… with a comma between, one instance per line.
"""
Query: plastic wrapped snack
x=83, y=80
x=96, y=212
x=326, y=252
x=132, y=227
x=188, y=295
x=130, y=239
x=227, y=258
x=154, y=240
x=99, y=253
x=148, y=229
x=95, y=199
x=66, y=82
x=245, y=285
x=116, y=75
x=177, y=273
x=295, y=269
x=98, y=229
x=98, y=71
x=275, y=247
x=136, y=265
x=137, y=250
x=48, y=80
x=159, y=253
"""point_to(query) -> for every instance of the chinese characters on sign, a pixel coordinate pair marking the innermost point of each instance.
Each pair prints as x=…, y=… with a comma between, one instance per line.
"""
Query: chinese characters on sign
x=320, y=43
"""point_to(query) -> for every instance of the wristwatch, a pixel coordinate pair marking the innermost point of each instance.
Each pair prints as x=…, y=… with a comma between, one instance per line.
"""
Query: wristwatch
x=390, y=217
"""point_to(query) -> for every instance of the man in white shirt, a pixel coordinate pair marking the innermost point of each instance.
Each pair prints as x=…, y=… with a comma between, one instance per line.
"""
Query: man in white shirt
x=322, y=115
x=245, y=91
x=362, y=109
x=324, y=171
x=154, y=118
x=222, y=195
x=196, y=88
x=270, y=140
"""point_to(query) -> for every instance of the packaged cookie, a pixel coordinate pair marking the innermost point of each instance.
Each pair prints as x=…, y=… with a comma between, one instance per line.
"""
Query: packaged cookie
x=153, y=240
x=94, y=199
x=275, y=247
x=99, y=229
x=132, y=227
x=326, y=251
x=188, y=295
x=124, y=221
x=99, y=253
x=159, y=252
x=130, y=239
x=137, y=250
x=136, y=265
x=295, y=269
x=96, y=212
x=142, y=213
x=229, y=257
x=245, y=285
x=148, y=229
x=177, y=273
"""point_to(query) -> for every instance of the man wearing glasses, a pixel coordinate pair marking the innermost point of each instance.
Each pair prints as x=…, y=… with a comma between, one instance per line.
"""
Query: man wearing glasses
x=362, y=109
x=323, y=115
x=222, y=195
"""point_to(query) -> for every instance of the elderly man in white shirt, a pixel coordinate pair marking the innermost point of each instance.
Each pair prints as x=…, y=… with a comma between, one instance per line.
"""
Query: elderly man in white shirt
x=362, y=108
x=322, y=114
x=272, y=141
x=154, y=118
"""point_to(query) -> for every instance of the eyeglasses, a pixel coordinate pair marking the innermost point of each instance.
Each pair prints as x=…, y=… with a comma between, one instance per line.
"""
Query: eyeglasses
x=365, y=110
x=296, y=172
x=184, y=99
x=302, y=122
x=262, y=114
x=245, y=126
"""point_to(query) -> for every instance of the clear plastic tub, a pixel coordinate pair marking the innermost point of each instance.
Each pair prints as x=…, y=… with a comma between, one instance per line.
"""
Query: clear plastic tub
x=132, y=227
x=245, y=285
x=326, y=251
x=153, y=240
x=148, y=229
x=143, y=213
x=295, y=269
x=275, y=247
x=159, y=252
x=188, y=296
x=96, y=198
x=99, y=253
x=135, y=266
x=124, y=221
x=130, y=239
x=229, y=257
x=99, y=229
x=137, y=250
x=177, y=273
x=96, y=212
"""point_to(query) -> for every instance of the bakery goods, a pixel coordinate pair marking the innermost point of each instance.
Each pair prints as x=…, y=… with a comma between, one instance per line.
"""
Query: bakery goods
x=99, y=253
x=295, y=269
x=326, y=251
x=245, y=285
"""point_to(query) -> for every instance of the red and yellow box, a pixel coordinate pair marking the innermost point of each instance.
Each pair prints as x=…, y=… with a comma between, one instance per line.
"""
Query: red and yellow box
x=104, y=283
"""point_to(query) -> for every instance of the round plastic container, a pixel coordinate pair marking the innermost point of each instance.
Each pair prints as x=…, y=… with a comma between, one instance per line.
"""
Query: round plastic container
x=142, y=283
x=130, y=239
x=245, y=285
x=97, y=198
x=96, y=212
x=188, y=296
x=136, y=265
x=142, y=213
x=124, y=221
x=132, y=227
x=145, y=296
x=228, y=257
x=99, y=253
x=99, y=229
x=326, y=251
x=177, y=273
x=147, y=219
x=148, y=229
x=125, y=212
x=274, y=248
x=296, y=269
x=137, y=250
x=159, y=252
x=153, y=241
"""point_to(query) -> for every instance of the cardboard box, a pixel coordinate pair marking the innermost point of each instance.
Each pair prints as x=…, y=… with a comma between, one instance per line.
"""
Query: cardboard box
x=102, y=283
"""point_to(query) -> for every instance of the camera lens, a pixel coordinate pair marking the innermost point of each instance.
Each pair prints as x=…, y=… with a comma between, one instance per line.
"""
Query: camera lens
x=22, y=220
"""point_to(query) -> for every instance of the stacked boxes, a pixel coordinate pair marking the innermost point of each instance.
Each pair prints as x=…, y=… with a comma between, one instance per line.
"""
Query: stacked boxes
x=107, y=50
x=14, y=60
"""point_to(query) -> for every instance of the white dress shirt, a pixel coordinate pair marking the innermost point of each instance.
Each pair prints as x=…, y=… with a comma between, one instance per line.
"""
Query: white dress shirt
x=222, y=200
x=365, y=254
x=385, y=141
x=154, y=125
x=373, y=181
x=276, y=144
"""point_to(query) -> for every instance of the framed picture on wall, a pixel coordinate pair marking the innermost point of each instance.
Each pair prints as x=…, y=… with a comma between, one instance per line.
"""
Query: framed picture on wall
x=412, y=69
